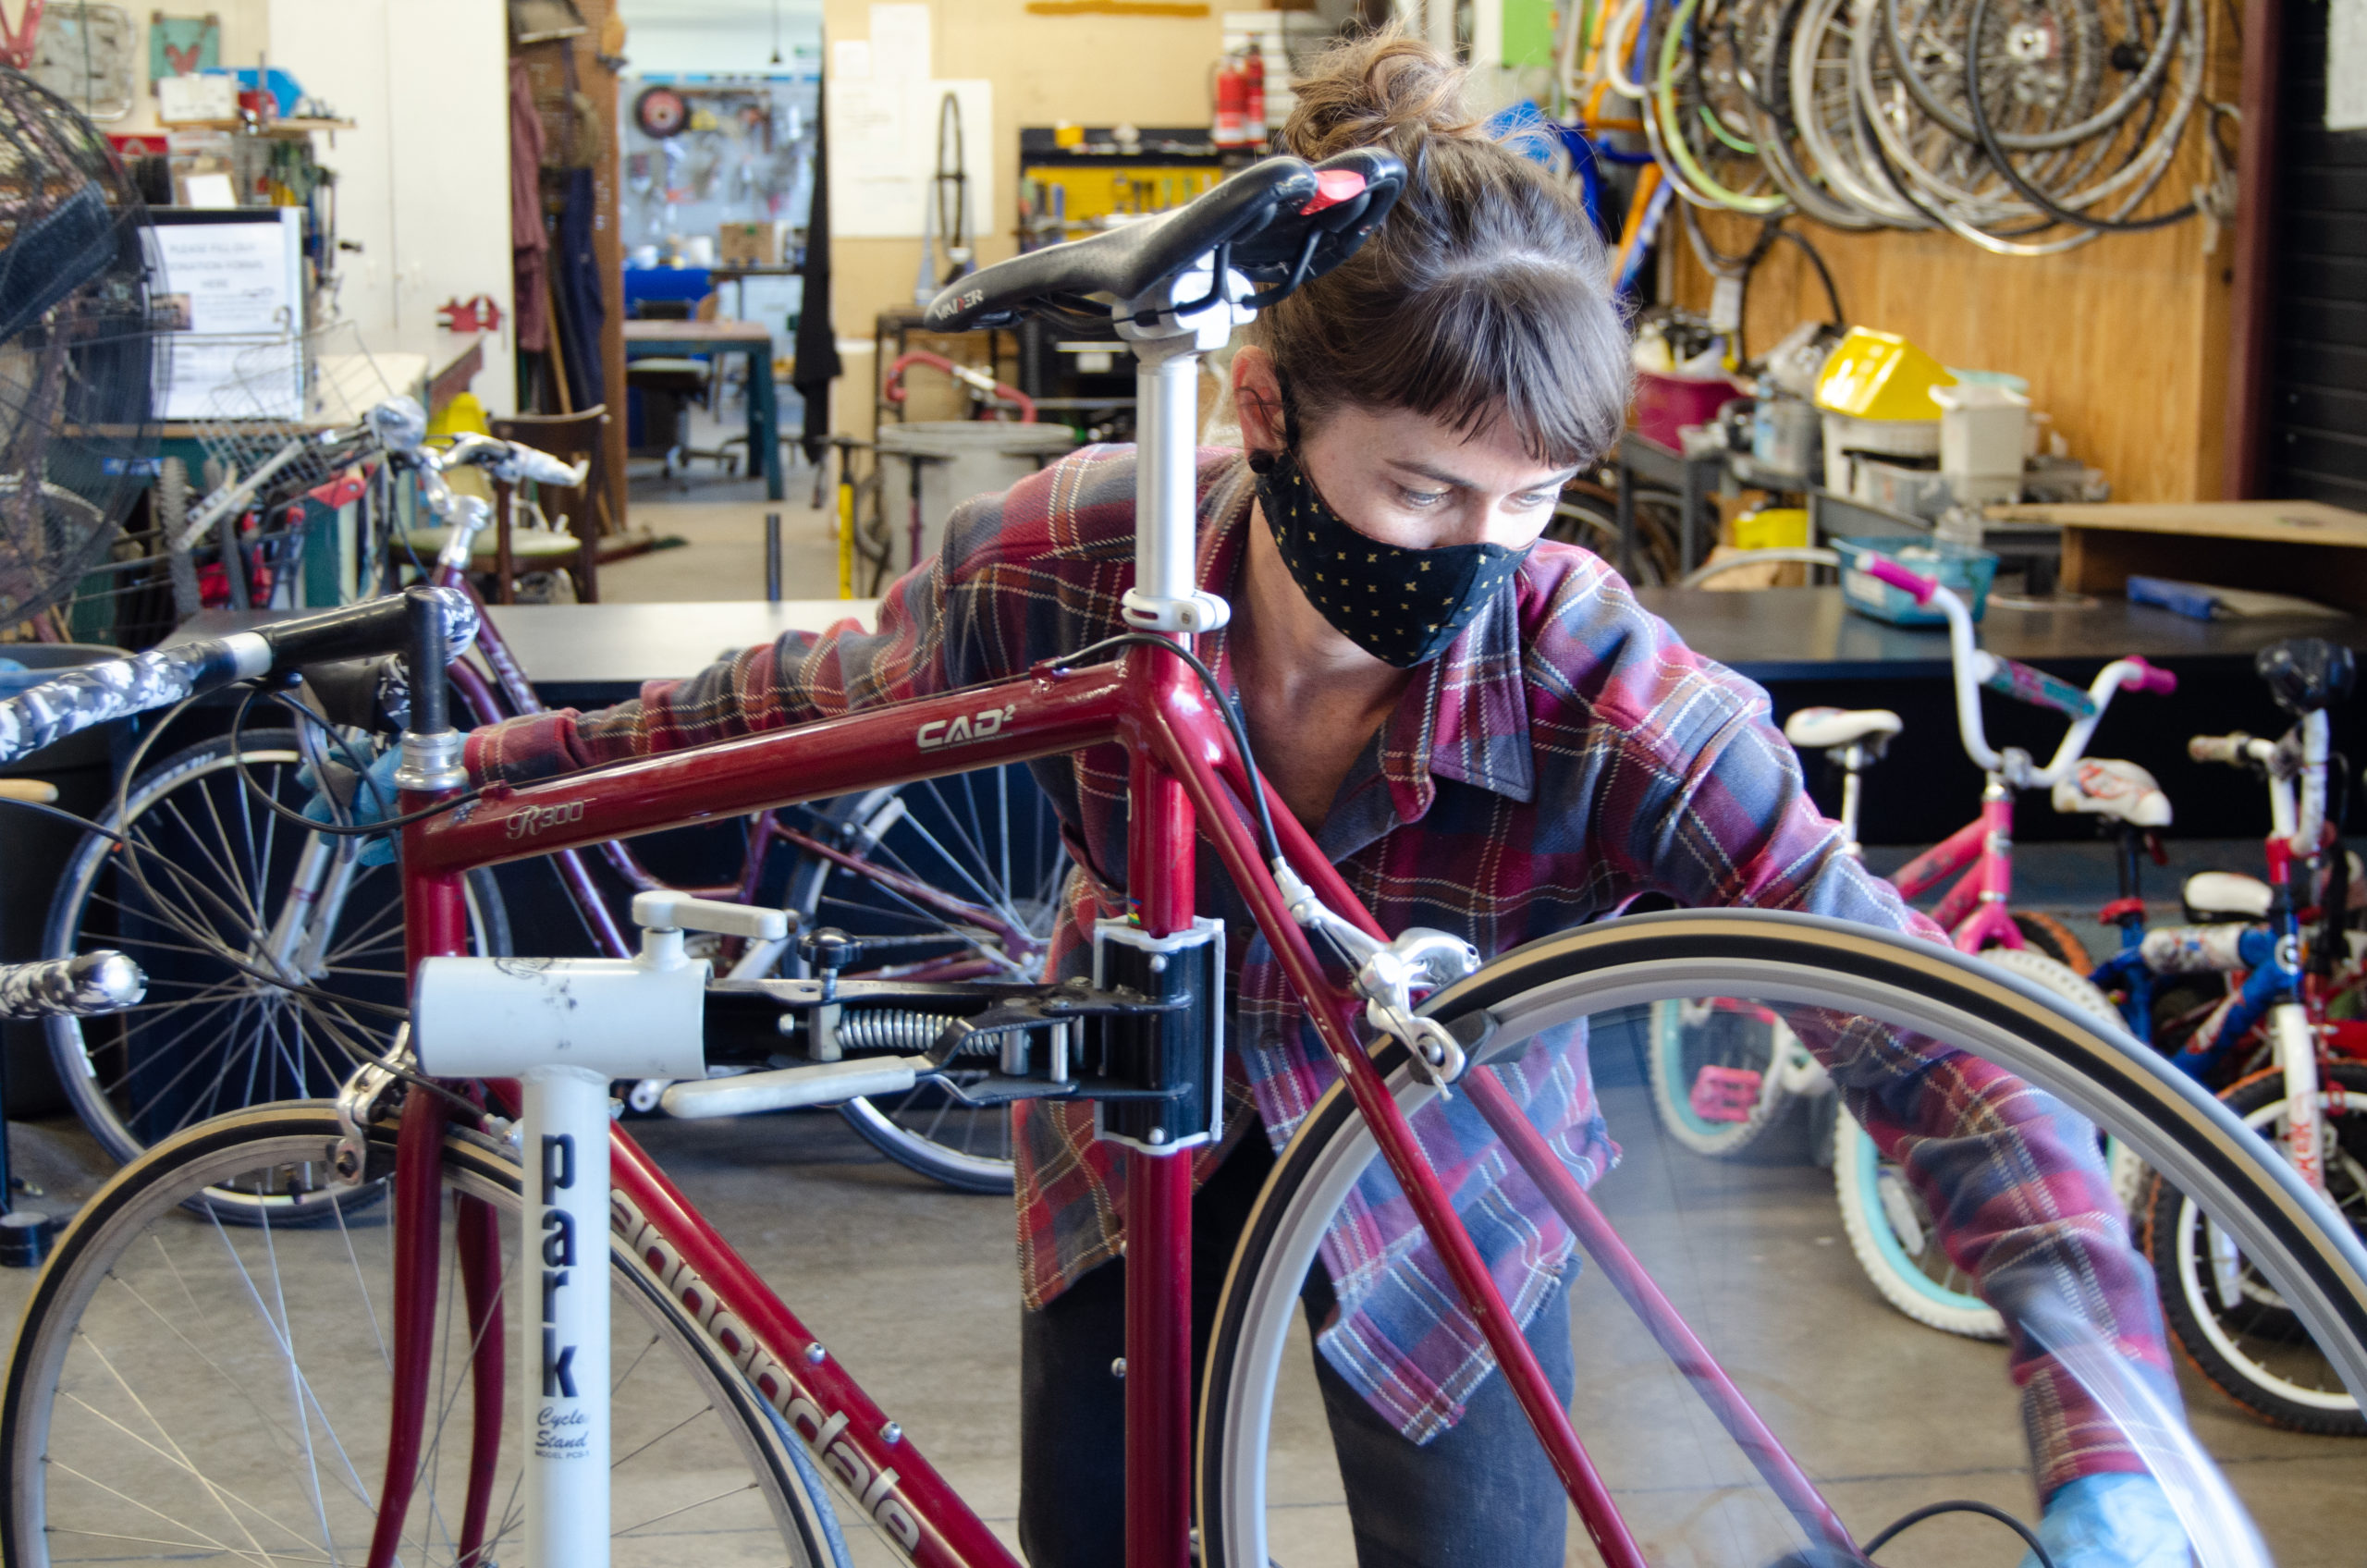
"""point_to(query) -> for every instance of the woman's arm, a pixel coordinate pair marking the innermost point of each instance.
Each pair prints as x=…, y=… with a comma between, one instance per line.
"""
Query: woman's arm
x=2013, y=1179
x=923, y=645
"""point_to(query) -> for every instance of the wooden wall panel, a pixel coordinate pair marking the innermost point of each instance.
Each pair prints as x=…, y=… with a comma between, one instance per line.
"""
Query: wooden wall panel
x=2123, y=340
x=1090, y=70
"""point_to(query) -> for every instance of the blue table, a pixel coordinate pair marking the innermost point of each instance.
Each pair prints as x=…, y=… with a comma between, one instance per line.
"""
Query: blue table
x=675, y=339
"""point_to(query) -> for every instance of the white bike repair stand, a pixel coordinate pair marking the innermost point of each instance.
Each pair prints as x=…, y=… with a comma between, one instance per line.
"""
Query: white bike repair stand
x=566, y=1029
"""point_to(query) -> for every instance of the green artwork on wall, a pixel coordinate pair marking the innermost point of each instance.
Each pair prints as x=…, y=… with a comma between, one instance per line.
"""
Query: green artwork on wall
x=183, y=46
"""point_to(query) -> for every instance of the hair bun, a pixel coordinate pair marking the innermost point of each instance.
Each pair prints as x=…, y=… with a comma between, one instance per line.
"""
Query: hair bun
x=1382, y=89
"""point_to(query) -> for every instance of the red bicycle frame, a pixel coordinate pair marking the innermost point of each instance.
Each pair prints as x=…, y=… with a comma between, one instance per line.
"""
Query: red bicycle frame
x=1188, y=778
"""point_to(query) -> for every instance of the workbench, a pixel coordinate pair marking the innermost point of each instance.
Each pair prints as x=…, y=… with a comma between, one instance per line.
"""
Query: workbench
x=673, y=339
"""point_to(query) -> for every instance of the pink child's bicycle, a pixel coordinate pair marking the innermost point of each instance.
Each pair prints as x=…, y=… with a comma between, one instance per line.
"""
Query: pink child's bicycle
x=546, y=1356
x=1725, y=1071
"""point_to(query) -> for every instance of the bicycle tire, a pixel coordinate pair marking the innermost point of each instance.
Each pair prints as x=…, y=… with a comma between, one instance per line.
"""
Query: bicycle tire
x=2057, y=941
x=1674, y=1057
x=2254, y=1362
x=962, y=836
x=1890, y=1231
x=230, y=863
x=91, y=1346
x=1778, y=958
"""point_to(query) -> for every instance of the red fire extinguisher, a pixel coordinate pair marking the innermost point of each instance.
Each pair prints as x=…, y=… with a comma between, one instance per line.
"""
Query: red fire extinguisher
x=1254, y=104
x=1232, y=103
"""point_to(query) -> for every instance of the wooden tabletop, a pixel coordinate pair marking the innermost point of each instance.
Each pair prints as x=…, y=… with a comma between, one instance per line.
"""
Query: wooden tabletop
x=2295, y=522
x=697, y=332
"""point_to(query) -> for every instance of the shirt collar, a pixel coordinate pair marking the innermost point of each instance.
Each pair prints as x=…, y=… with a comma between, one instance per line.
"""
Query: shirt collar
x=1463, y=716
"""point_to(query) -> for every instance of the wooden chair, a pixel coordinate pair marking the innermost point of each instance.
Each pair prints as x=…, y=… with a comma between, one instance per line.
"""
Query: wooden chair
x=571, y=541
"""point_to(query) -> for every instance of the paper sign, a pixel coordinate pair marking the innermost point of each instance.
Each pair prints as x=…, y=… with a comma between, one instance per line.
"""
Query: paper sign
x=900, y=41
x=850, y=60
x=2346, y=65
x=883, y=154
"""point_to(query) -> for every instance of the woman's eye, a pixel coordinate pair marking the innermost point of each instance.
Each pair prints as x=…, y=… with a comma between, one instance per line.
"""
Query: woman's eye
x=1421, y=498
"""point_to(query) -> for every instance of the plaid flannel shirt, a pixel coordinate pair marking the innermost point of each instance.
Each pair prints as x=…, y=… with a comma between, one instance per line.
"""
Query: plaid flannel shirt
x=1565, y=754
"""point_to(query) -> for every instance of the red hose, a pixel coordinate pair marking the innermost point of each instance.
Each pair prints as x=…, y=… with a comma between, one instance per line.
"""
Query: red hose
x=1004, y=390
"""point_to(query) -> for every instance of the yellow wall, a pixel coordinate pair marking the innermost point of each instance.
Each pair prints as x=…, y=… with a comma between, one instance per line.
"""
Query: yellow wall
x=1089, y=70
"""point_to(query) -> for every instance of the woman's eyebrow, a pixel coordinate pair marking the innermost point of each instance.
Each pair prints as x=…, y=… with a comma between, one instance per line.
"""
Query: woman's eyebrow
x=1442, y=476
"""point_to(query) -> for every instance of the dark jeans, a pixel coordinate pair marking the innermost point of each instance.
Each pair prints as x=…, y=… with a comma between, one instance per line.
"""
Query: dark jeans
x=1480, y=1492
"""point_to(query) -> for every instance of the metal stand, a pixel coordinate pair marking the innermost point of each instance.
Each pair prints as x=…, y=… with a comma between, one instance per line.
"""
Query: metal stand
x=772, y=558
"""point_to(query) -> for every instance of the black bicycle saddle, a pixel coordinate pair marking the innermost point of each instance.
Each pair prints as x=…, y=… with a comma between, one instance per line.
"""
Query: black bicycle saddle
x=1279, y=223
x=2306, y=674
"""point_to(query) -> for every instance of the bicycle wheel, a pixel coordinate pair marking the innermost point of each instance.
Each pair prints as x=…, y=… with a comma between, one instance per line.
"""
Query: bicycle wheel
x=2231, y=1322
x=222, y=896
x=1718, y=1073
x=1267, y=1492
x=185, y=1389
x=1890, y=1229
x=944, y=879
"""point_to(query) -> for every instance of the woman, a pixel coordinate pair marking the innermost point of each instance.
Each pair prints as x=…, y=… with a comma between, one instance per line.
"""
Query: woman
x=1513, y=749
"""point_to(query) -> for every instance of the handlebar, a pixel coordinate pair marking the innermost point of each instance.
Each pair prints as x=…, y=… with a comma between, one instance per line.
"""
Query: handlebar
x=2233, y=750
x=81, y=986
x=1917, y=587
x=1975, y=668
x=2295, y=767
x=79, y=699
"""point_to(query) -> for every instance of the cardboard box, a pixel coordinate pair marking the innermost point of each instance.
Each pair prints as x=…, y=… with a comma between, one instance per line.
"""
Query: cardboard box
x=763, y=244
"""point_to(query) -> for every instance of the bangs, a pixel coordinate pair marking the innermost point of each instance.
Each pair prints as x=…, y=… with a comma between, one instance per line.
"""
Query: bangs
x=1526, y=341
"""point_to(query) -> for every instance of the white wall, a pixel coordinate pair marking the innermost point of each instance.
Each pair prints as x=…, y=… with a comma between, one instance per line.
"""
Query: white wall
x=720, y=35
x=423, y=184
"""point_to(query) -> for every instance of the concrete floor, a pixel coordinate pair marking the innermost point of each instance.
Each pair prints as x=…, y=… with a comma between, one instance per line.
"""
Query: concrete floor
x=915, y=1291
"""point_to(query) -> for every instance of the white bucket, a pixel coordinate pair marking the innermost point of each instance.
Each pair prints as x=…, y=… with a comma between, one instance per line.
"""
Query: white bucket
x=956, y=459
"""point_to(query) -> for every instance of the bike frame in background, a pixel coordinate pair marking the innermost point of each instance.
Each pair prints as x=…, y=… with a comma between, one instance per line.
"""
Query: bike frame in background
x=1186, y=781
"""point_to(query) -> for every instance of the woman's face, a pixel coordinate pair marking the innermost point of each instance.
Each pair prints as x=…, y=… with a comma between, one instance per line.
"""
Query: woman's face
x=1406, y=479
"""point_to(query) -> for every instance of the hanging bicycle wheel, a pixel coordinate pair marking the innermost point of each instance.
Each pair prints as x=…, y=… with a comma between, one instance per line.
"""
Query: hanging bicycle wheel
x=1659, y=1414
x=184, y=1391
x=274, y=965
x=946, y=879
x=2231, y=1321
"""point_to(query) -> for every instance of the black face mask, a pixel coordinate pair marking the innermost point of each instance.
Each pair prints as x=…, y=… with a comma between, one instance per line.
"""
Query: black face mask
x=1401, y=606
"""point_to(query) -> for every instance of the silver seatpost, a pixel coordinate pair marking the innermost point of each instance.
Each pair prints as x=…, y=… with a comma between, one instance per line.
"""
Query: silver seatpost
x=1168, y=344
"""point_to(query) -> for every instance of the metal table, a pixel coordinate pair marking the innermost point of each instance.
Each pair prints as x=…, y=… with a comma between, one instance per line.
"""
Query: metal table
x=668, y=339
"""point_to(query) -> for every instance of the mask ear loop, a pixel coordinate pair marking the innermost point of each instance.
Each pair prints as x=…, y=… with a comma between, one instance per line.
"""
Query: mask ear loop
x=1263, y=463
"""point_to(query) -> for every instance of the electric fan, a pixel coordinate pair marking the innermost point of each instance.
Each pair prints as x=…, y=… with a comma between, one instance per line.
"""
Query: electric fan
x=79, y=349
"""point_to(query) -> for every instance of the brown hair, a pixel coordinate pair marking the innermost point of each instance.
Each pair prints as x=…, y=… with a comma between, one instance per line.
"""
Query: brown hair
x=1484, y=293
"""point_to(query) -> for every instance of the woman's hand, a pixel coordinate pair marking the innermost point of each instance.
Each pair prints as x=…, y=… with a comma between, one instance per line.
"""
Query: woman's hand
x=348, y=798
x=2112, y=1521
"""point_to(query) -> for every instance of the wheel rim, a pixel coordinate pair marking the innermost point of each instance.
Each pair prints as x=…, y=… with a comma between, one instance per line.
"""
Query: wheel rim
x=211, y=1362
x=2269, y=1346
x=1795, y=960
x=210, y=1038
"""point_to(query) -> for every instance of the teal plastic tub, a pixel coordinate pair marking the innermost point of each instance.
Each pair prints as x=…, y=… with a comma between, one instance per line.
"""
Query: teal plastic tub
x=1965, y=571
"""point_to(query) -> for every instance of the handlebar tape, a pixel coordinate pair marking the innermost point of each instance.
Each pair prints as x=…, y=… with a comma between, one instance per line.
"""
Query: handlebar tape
x=2035, y=686
x=80, y=987
x=79, y=699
